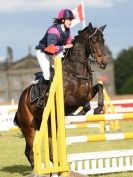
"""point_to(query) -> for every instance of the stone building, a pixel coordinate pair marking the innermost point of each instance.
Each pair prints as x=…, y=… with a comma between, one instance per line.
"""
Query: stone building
x=15, y=76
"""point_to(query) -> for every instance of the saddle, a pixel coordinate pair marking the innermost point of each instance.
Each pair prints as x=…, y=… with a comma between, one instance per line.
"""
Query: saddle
x=36, y=86
x=40, y=86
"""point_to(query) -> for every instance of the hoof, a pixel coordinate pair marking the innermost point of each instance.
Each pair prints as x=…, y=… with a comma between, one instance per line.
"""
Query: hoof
x=98, y=111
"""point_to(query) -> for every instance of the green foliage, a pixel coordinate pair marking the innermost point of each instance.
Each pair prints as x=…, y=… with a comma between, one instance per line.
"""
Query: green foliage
x=123, y=70
x=128, y=86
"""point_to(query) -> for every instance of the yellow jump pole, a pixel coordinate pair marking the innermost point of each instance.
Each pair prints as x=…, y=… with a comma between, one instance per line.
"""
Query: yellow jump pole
x=61, y=135
x=108, y=109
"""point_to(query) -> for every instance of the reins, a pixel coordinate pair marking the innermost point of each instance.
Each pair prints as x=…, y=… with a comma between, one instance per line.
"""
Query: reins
x=85, y=61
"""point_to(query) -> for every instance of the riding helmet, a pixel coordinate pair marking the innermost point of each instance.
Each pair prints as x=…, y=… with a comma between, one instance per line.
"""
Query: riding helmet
x=65, y=14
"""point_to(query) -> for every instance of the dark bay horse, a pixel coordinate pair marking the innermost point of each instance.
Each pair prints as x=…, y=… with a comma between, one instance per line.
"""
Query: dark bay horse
x=78, y=84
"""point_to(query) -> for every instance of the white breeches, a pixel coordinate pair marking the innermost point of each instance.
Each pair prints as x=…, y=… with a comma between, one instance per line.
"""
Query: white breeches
x=44, y=62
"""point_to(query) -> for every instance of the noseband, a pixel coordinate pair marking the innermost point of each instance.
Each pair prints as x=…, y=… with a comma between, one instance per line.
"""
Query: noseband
x=100, y=65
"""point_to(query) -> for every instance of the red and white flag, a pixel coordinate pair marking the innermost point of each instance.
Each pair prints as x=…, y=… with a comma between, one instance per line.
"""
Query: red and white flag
x=79, y=15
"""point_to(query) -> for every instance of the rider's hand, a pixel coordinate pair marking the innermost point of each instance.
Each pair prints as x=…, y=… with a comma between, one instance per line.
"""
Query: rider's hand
x=67, y=46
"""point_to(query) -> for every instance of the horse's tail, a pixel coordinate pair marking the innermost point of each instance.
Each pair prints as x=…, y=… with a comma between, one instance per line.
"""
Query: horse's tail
x=16, y=122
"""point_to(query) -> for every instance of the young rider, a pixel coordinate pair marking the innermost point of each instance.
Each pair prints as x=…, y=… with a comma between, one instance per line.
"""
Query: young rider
x=58, y=36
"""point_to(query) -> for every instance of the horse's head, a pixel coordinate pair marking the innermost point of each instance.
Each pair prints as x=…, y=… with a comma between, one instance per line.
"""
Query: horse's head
x=94, y=44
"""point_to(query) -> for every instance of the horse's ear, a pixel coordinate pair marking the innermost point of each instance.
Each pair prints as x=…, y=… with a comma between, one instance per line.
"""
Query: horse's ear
x=90, y=26
x=102, y=28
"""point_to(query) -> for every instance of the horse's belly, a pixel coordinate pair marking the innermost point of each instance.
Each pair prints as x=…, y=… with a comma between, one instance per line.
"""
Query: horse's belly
x=75, y=100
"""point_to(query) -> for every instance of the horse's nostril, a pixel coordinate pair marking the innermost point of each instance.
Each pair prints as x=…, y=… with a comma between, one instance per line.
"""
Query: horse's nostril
x=99, y=55
x=102, y=55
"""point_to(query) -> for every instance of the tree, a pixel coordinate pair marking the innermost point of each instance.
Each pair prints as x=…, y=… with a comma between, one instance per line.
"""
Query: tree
x=123, y=66
x=128, y=86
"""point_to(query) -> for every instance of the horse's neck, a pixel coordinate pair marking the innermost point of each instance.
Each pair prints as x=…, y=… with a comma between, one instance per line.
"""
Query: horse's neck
x=76, y=61
x=78, y=52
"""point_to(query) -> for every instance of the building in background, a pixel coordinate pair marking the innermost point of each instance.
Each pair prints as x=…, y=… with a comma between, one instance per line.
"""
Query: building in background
x=106, y=75
x=15, y=76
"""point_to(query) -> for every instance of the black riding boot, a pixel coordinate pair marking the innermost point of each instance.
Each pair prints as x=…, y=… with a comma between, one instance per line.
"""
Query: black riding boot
x=44, y=87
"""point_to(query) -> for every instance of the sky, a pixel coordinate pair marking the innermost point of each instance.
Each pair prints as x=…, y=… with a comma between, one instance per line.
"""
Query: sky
x=24, y=22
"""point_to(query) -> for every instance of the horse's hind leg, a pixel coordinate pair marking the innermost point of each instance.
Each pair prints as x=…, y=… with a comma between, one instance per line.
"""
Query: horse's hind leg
x=29, y=134
x=98, y=88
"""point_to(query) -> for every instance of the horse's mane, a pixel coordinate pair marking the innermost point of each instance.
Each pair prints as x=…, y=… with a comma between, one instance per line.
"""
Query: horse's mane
x=80, y=32
x=68, y=51
x=89, y=28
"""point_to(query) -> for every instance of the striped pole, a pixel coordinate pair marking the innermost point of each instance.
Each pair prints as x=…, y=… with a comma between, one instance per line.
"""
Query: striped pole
x=98, y=117
x=97, y=138
x=85, y=125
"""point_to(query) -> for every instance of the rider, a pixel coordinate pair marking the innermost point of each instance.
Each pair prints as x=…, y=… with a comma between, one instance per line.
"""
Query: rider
x=59, y=38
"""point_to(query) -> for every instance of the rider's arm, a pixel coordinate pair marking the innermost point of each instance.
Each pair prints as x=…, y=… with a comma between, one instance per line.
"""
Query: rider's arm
x=52, y=38
x=68, y=43
x=69, y=40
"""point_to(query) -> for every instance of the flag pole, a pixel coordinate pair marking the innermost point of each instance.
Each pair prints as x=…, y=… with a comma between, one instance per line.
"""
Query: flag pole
x=83, y=14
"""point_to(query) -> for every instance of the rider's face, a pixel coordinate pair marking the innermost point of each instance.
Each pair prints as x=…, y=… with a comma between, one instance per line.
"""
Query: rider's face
x=67, y=23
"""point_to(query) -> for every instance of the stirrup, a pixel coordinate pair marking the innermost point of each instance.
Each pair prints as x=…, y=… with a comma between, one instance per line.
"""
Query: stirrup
x=40, y=103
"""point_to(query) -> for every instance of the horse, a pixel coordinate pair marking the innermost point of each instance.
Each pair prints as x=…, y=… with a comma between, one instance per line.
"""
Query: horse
x=77, y=84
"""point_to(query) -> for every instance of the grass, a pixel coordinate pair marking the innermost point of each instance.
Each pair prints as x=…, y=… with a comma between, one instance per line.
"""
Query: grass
x=13, y=162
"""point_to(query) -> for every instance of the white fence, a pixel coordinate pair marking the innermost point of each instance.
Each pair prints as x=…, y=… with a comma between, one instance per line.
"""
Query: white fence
x=7, y=114
x=101, y=162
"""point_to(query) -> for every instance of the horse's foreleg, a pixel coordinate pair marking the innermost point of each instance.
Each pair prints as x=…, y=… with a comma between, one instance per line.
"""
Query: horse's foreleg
x=99, y=89
x=85, y=109
x=69, y=110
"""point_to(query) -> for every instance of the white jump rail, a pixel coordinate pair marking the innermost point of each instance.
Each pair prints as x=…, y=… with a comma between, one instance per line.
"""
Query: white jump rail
x=98, y=117
x=83, y=126
x=96, y=137
x=101, y=162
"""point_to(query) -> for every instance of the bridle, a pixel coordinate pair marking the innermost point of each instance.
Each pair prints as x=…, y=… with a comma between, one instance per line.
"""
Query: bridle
x=85, y=61
x=92, y=53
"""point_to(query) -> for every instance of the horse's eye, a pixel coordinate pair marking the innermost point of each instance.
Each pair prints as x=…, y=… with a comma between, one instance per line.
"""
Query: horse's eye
x=94, y=40
x=101, y=40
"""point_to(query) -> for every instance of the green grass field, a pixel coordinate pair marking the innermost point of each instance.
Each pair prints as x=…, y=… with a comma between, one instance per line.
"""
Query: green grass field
x=13, y=162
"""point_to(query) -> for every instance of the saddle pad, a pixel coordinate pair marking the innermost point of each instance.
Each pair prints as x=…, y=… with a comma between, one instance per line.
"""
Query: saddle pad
x=34, y=93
